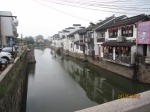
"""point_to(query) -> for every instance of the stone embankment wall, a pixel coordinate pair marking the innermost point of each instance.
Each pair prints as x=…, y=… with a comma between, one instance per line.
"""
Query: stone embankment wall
x=144, y=73
x=12, y=82
x=75, y=55
x=128, y=72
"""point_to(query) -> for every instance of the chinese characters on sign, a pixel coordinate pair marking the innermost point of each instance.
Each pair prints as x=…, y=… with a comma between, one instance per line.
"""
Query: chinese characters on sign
x=143, y=32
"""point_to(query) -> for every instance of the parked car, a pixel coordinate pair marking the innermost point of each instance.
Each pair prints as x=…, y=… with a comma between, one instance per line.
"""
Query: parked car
x=1, y=49
x=5, y=55
x=3, y=64
x=11, y=50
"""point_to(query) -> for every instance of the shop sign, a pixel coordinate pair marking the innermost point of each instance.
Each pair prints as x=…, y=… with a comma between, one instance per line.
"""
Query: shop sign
x=143, y=32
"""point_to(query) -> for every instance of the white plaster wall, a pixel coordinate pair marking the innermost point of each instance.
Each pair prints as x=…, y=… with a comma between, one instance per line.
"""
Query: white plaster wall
x=6, y=26
x=148, y=50
x=133, y=50
x=70, y=42
x=98, y=34
x=119, y=33
x=58, y=43
x=107, y=35
x=67, y=42
x=140, y=49
x=77, y=37
x=61, y=34
x=96, y=47
x=77, y=27
x=75, y=50
x=95, y=37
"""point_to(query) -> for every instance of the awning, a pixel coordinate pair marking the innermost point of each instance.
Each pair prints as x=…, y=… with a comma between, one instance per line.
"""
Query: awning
x=114, y=43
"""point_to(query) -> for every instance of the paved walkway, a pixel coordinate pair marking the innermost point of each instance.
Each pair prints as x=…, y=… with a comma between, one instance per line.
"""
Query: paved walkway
x=141, y=103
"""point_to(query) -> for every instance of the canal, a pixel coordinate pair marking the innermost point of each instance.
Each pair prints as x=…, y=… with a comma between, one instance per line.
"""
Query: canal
x=62, y=84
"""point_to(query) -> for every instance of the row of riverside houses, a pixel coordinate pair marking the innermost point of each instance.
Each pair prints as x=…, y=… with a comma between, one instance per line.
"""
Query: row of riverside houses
x=112, y=39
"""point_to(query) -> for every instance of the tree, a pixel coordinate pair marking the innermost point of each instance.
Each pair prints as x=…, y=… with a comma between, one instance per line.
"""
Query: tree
x=29, y=40
x=17, y=40
x=46, y=42
x=39, y=37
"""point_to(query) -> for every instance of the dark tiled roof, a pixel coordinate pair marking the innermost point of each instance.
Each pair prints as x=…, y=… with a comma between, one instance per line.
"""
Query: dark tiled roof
x=130, y=20
x=70, y=28
x=115, y=43
x=110, y=22
x=92, y=26
x=65, y=31
x=80, y=31
x=56, y=36
x=76, y=24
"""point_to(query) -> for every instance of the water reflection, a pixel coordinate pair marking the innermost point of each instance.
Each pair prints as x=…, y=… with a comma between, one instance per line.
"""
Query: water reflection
x=63, y=84
x=100, y=85
x=30, y=72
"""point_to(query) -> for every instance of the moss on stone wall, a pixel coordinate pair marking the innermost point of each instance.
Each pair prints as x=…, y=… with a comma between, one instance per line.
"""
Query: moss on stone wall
x=12, y=85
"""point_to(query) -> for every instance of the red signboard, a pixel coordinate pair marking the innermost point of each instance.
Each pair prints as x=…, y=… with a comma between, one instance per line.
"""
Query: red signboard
x=143, y=32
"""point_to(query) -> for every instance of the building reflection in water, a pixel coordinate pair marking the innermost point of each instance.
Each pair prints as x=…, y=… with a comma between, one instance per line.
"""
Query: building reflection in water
x=100, y=85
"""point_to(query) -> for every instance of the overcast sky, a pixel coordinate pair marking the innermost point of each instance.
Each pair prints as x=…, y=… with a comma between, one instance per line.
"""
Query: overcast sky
x=43, y=17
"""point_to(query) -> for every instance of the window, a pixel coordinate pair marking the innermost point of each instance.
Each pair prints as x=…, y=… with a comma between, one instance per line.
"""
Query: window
x=90, y=46
x=71, y=45
x=113, y=33
x=103, y=34
x=77, y=46
x=90, y=35
x=127, y=31
x=81, y=47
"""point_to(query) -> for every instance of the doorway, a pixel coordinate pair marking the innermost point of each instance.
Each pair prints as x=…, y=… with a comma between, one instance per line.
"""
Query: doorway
x=145, y=50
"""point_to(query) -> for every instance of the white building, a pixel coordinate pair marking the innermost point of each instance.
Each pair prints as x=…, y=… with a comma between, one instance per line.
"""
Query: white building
x=120, y=45
x=8, y=27
x=101, y=34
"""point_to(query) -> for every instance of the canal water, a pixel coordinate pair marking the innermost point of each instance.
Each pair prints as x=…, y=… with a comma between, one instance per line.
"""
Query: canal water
x=62, y=84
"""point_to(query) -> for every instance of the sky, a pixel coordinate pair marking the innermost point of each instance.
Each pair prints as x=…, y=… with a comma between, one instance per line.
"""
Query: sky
x=42, y=17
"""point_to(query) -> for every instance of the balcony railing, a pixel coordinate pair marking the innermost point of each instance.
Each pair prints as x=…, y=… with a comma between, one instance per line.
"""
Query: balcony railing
x=119, y=60
x=89, y=40
x=108, y=56
x=124, y=59
x=100, y=39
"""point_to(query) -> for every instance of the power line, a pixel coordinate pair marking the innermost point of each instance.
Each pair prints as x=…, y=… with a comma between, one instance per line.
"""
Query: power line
x=103, y=8
x=92, y=8
x=102, y=4
x=61, y=11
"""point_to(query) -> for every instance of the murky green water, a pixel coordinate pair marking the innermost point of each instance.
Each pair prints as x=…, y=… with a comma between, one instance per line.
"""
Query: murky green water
x=63, y=84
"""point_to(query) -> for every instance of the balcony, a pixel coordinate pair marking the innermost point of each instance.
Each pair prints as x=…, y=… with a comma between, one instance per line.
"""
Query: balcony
x=123, y=60
x=100, y=39
x=108, y=56
x=89, y=40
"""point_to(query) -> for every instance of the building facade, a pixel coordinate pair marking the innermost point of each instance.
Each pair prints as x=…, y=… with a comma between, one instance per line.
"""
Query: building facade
x=8, y=28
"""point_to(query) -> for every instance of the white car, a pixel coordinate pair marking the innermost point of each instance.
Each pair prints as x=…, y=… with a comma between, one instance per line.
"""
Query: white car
x=5, y=55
